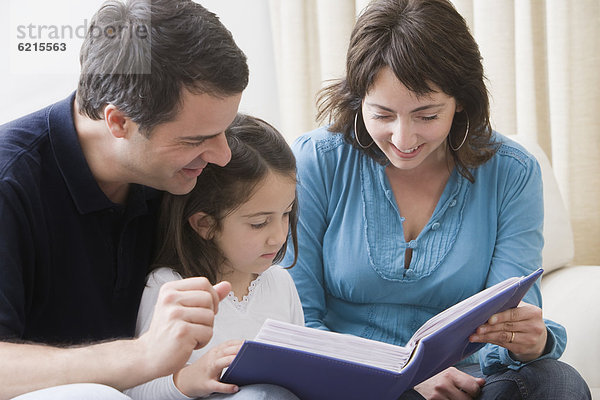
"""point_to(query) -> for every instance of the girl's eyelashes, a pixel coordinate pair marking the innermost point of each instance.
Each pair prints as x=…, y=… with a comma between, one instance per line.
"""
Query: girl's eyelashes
x=429, y=117
x=259, y=225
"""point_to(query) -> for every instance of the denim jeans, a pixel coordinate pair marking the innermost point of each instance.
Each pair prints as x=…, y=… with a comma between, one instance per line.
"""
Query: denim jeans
x=544, y=379
x=92, y=391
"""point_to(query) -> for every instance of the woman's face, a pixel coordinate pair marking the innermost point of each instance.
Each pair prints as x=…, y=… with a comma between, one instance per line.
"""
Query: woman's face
x=410, y=130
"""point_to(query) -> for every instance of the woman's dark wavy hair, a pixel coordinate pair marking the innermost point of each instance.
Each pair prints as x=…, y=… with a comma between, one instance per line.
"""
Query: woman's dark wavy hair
x=423, y=42
x=257, y=148
x=140, y=55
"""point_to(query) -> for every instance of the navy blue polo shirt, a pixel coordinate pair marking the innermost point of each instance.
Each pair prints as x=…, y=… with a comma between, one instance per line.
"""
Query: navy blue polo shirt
x=72, y=263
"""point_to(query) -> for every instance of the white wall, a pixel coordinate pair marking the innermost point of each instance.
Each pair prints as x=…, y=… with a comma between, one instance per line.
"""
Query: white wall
x=250, y=23
x=32, y=80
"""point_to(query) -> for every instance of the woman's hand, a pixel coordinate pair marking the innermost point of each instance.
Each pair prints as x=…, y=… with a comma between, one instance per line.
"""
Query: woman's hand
x=201, y=378
x=451, y=384
x=521, y=330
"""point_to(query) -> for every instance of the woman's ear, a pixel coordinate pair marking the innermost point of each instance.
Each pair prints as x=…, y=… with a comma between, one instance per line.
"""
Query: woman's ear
x=203, y=224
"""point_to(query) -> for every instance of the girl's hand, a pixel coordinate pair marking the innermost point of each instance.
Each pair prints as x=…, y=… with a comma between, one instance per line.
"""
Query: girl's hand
x=521, y=330
x=451, y=384
x=201, y=378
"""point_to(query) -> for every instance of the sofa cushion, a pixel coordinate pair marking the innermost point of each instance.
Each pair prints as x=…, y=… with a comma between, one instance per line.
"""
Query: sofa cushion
x=559, y=247
x=571, y=297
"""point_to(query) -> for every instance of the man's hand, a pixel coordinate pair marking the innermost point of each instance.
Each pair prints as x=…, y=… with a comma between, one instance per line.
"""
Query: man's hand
x=182, y=321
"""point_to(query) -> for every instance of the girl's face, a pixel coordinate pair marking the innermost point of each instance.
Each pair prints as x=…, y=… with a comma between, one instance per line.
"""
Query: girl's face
x=252, y=235
x=411, y=131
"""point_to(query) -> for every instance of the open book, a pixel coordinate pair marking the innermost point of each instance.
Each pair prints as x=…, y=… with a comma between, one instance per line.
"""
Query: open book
x=317, y=364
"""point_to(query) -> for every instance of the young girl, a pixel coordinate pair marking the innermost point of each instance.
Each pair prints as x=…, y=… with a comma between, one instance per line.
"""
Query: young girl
x=234, y=225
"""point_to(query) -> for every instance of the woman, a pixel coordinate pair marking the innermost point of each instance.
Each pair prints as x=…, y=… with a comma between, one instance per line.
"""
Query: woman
x=410, y=203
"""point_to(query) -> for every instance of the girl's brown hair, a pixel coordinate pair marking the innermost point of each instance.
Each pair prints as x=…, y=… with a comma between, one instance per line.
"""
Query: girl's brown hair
x=257, y=148
x=423, y=42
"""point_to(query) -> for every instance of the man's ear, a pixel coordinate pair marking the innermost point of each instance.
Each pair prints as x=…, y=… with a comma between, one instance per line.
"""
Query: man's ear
x=203, y=224
x=117, y=122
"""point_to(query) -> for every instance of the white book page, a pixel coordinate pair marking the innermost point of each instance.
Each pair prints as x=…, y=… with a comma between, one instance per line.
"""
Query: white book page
x=450, y=314
x=331, y=344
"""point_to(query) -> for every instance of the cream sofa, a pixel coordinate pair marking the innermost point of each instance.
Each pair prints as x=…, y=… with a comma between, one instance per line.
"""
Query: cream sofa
x=571, y=293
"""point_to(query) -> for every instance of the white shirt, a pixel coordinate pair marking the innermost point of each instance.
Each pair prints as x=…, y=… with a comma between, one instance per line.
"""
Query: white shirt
x=271, y=295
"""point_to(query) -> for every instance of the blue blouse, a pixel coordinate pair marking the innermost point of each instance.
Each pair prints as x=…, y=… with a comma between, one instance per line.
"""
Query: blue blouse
x=350, y=272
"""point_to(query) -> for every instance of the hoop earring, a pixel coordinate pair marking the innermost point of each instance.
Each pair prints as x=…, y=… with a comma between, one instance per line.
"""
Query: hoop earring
x=356, y=134
x=464, y=138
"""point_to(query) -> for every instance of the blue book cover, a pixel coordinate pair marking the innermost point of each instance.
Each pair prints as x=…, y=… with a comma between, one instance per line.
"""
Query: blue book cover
x=442, y=342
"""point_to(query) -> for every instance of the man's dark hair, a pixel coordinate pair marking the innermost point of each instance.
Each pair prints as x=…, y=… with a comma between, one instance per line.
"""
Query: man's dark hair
x=140, y=55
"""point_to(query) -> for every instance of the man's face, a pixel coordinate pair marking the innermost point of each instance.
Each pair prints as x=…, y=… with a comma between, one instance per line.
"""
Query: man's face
x=177, y=151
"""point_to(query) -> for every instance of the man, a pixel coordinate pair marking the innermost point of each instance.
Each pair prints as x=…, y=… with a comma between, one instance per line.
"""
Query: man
x=80, y=185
